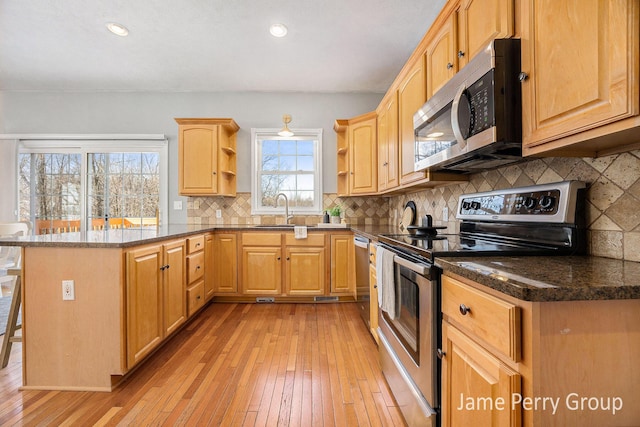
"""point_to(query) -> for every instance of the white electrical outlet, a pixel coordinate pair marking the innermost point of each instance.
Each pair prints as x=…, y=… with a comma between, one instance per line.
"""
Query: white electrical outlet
x=177, y=205
x=68, y=290
x=445, y=214
x=218, y=213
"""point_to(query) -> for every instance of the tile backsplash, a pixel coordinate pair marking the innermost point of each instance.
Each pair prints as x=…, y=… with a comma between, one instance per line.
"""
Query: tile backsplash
x=613, y=201
x=358, y=210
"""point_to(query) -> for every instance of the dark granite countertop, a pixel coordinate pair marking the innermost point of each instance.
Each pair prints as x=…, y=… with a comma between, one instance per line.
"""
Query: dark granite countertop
x=124, y=238
x=373, y=231
x=548, y=278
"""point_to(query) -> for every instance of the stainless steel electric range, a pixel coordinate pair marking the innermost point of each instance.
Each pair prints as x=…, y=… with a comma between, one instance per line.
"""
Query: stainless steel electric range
x=538, y=220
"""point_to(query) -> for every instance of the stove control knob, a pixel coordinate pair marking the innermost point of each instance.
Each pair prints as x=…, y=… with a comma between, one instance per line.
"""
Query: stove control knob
x=530, y=202
x=547, y=202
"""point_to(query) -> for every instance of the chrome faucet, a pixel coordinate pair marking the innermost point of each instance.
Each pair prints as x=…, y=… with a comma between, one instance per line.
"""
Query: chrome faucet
x=287, y=217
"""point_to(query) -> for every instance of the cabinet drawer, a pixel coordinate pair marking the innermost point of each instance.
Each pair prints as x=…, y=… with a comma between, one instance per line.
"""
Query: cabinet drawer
x=311, y=240
x=195, y=267
x=483, y=316
x=195, y=244
x=261, y=239
x=195, y=297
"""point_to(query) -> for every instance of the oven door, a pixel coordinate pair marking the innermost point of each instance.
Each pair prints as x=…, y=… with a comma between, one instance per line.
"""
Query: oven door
x=408, y=341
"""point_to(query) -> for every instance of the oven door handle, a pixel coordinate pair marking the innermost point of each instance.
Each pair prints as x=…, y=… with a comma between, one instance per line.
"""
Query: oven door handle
x=418, y=268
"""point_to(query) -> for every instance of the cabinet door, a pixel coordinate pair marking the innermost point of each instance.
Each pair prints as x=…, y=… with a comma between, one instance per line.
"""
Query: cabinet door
x=342, y=264
x=198, y=159
x=581, y=57
x=144, y=302
x=225, y=261
x=479, y=22
x=441, y=57
x=373, y=301
x=388, y=145
x=174, y=286
x=477, y=389
x=262, y=270
x=305, y=271
x=209, y=261
x=411, y=96
x=363, y=154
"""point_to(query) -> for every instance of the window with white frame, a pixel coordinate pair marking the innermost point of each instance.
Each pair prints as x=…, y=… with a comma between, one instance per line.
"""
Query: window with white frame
x=70, y=185
x=290, y=165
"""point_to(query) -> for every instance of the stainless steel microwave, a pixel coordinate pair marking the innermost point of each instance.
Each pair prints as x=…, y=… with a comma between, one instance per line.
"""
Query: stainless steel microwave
x=474, y=122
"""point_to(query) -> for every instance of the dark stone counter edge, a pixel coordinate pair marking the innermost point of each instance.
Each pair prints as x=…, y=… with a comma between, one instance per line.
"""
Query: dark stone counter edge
x=36, y=241
x=531, y=293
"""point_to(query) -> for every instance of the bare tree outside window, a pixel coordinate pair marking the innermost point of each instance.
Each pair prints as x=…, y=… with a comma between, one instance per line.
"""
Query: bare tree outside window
x=287, y=166
x=123, y=190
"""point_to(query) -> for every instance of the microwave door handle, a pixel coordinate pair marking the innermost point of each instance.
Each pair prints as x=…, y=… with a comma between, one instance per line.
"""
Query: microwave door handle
x=455, y=122
x=420, y=269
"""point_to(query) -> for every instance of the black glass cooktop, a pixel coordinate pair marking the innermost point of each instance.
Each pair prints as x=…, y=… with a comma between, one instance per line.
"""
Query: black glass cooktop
x=460, y=245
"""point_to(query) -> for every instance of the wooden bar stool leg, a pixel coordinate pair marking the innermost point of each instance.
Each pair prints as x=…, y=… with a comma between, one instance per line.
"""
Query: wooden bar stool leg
x=9, y=335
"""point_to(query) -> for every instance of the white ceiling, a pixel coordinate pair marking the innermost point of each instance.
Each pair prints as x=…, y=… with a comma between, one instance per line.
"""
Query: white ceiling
x=209, y=45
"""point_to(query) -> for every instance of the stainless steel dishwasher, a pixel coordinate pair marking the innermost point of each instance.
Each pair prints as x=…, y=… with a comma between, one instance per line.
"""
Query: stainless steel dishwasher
x=361, y=245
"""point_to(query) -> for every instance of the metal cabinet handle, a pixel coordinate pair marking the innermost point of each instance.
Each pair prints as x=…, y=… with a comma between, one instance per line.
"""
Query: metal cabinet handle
x=278, y=258
x=523, y=76
x=464, y=309
x=198, y=297
x=449, y=66
x=197, y=267
x=164, y=267
x=441, y=354
x=460, y=54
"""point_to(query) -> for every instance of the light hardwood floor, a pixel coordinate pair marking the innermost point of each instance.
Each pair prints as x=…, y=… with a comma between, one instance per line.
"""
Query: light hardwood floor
x=235, y=364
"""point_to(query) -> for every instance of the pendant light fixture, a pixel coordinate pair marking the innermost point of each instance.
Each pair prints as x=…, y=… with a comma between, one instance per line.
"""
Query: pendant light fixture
x=285, y=131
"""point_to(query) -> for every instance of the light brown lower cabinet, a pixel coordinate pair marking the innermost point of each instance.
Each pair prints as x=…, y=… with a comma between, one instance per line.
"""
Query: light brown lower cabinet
x=262, y=270
x=278, y=264
x=305, y=270
x=209, y=271
x=477, y=388
x=342, y=264
x=196, y=271
x=224, y=274
x=509, y=362
x=155, y=296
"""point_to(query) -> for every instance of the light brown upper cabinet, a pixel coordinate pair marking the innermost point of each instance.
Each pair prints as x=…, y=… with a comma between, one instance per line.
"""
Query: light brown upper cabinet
x=581, y=59
x=479, y=22
x=388, y=143
x=441, y=56
x=357, y=148
x=411, y=96
x=207, y=157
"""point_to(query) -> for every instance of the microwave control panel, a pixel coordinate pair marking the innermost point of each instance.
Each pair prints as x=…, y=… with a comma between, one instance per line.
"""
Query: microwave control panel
x=481, y=109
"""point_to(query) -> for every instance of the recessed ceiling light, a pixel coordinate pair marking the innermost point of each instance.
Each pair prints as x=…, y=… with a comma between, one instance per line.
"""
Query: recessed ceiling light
x=117, y=29
x=278, y=30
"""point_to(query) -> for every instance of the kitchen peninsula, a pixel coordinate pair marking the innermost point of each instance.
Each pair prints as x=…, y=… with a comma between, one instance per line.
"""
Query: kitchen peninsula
x=135, y=288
